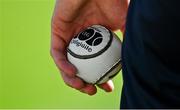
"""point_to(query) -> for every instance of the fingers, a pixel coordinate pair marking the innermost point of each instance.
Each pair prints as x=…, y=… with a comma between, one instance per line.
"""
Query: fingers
x=89, y=89
x=79, y=84
x=68, y=71
x=58, y=53
x=73, y=82
x=62, y=63
x=108, y=86
x=83, y=87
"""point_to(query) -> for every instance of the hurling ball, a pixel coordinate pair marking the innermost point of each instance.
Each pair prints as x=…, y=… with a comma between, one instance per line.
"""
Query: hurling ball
x=96, y=53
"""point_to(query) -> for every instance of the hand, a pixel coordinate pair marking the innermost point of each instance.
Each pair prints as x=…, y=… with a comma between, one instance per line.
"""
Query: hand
x=72, y=16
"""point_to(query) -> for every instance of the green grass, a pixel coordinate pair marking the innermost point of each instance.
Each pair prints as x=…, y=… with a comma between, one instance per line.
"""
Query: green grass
x=29, y=78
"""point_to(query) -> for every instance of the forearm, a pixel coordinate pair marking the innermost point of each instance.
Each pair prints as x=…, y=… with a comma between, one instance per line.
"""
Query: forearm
x=68, y=9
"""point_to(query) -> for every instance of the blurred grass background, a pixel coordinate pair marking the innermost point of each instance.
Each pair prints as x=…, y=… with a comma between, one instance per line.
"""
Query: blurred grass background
x=28, y=76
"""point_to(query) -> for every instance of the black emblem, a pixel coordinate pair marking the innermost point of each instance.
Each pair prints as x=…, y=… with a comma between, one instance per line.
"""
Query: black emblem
x=91, y=37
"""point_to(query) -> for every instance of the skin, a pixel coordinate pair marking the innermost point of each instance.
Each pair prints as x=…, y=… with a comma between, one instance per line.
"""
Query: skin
x=72, y=16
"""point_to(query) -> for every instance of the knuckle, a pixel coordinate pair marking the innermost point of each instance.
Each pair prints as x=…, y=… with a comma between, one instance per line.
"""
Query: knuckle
x=77, y=86
x=74, y=83
x=67, y=84
x=92, y=91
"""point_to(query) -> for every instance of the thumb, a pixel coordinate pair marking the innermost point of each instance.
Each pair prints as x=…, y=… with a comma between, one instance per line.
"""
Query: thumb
x=107, y=86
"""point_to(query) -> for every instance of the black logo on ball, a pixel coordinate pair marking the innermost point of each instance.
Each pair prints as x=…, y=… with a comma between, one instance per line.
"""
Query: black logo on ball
x=91, y=37
x=88, y=39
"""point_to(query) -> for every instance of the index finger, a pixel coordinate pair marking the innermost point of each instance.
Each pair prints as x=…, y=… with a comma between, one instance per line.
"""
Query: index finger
x=58, y=52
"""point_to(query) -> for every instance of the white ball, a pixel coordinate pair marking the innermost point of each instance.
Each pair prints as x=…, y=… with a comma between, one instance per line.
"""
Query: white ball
x=96, y=53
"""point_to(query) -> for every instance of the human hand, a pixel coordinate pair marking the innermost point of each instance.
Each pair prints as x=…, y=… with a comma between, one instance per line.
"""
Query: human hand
x=72, y=16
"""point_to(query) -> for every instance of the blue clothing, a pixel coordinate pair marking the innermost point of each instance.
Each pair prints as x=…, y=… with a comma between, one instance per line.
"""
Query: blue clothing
x=151, y=55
